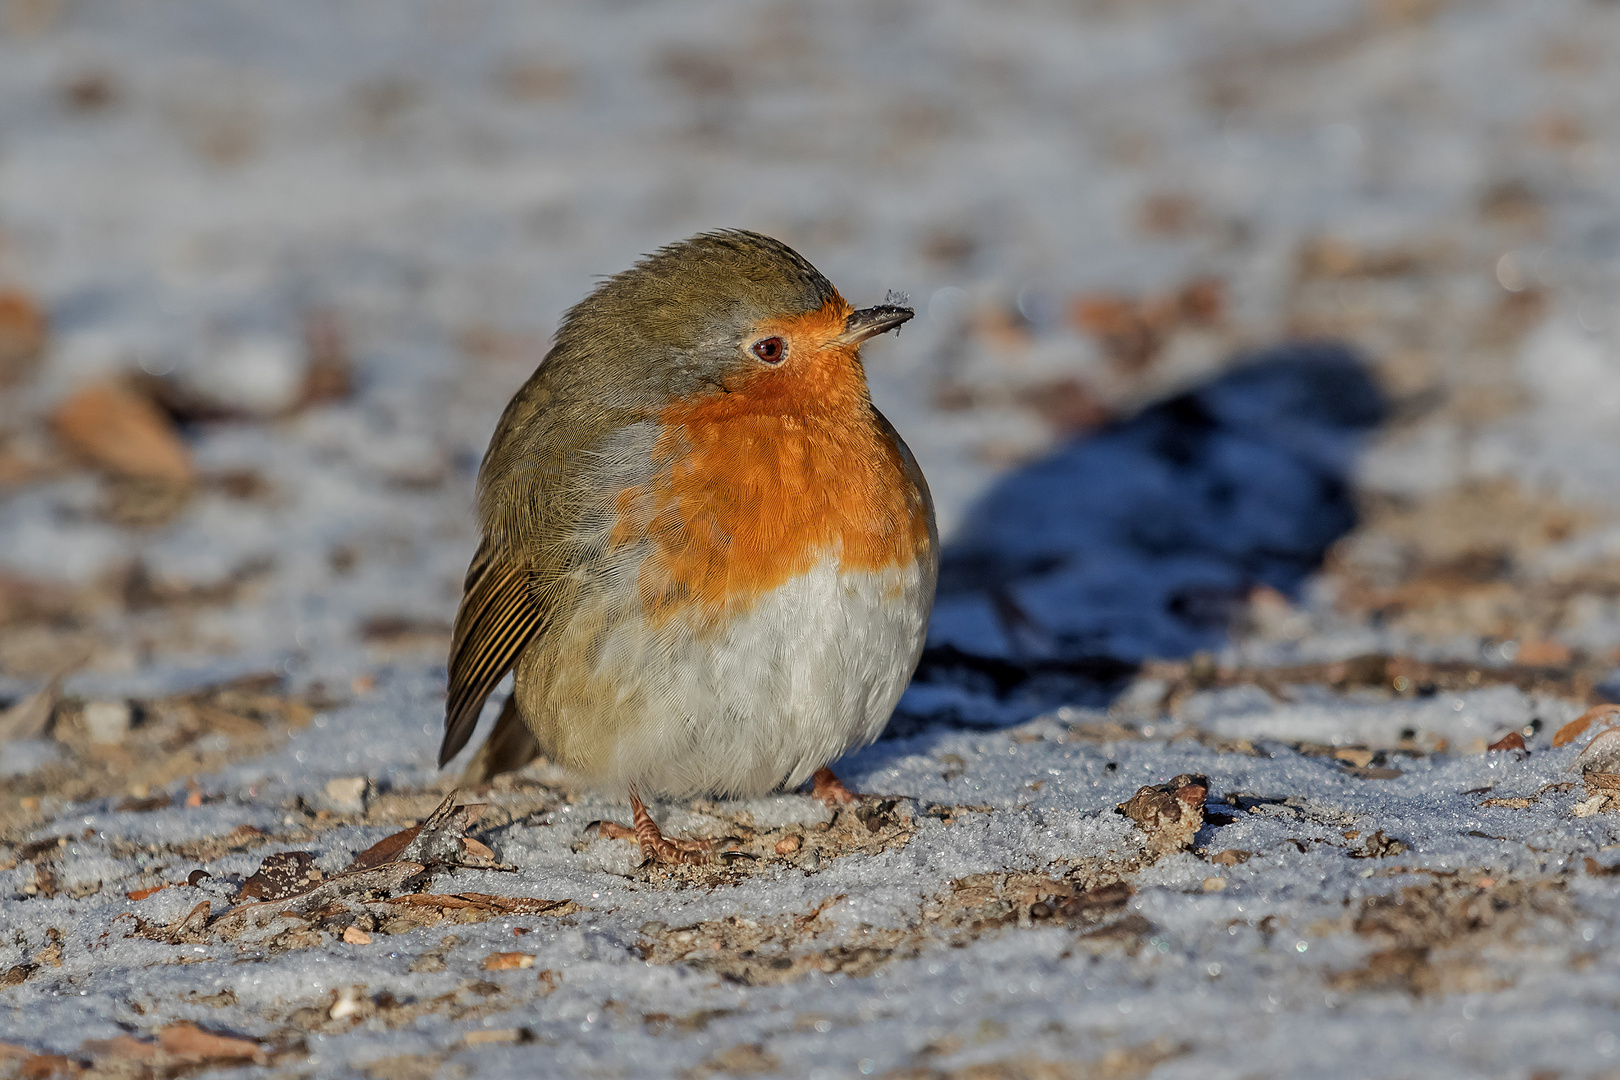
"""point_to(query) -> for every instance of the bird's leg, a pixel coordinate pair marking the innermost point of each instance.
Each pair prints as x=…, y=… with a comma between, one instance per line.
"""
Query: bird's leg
x=654, y=844
x=509, y=747
x=824, y=785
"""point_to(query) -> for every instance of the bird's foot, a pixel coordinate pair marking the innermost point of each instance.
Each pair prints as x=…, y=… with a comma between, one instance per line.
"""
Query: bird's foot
x=658, y=847
x=824, y=785
x=669, y=850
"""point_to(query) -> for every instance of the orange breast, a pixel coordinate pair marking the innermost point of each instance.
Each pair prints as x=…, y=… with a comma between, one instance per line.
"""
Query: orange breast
x=758, y=484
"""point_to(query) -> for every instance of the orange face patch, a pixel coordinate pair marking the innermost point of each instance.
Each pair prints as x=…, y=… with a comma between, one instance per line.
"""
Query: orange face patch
x=760, y=483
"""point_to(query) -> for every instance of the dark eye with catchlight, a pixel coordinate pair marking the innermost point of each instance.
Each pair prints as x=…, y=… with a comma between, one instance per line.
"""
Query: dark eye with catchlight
x=772, y=350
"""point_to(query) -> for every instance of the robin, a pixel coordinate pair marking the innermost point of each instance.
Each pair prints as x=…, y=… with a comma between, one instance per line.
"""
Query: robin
x=706, y=558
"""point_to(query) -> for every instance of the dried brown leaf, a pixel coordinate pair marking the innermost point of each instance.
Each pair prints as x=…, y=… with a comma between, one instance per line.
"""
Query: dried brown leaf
x=194, y=1044
x=142, y=894
x=23, y=330
x=281, y=875
x=1577, y=727
x=748, y=1059
x=330, y=373
x=494, y=1036
x=1602, y=754
x=1379, y=846
x=1231, y=857
x=1512, y=741
x=123, y=433
x=385, y=850
x=49, y=1067
x=126, y=1047
x=508, y=961
x=405, y=1067
x=441, y=840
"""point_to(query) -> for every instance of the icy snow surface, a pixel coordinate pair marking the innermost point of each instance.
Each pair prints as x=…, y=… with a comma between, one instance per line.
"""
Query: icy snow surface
x=1372, y=894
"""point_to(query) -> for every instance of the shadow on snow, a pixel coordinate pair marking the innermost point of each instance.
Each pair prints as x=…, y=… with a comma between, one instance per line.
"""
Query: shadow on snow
x=1143, y=539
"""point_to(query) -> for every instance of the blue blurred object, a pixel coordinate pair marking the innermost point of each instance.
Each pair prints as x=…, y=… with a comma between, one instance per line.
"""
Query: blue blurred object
x=1608, y=689
x=1140, y=539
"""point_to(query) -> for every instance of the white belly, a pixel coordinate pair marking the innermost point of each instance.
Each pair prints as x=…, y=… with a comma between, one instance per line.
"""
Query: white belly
x=812, y=670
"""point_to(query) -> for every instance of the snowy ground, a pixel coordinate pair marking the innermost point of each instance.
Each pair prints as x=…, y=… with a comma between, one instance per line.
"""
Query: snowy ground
x=1267, y=373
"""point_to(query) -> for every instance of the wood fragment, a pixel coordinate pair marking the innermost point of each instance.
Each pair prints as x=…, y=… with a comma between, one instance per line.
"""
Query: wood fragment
x=506, y=905
x=1231, y=857
x=190, y=926
x=352, y=885
x=28, y=718
x=1170, y=813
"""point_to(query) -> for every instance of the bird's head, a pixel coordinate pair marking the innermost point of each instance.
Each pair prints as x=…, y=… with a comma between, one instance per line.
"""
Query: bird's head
x=721, y=314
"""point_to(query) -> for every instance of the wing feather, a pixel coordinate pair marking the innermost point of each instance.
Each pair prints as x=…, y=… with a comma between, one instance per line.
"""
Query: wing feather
x=497, y=618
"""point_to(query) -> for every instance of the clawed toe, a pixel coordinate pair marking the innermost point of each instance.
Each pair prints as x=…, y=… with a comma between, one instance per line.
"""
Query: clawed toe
x=669, y=850
x=673, y=852
x=826, y=786
x=676, y=851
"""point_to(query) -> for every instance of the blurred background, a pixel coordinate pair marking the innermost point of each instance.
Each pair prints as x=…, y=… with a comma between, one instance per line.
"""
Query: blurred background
x=1267, y=332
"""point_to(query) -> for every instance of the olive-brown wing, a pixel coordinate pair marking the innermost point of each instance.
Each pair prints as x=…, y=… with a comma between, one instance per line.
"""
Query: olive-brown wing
x=497, y=618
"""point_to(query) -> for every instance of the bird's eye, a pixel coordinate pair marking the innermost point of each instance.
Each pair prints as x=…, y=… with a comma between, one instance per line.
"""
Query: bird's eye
x=772, y=350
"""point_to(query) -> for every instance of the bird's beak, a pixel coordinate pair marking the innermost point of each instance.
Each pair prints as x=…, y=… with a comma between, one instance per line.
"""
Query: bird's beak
x=872, y=321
